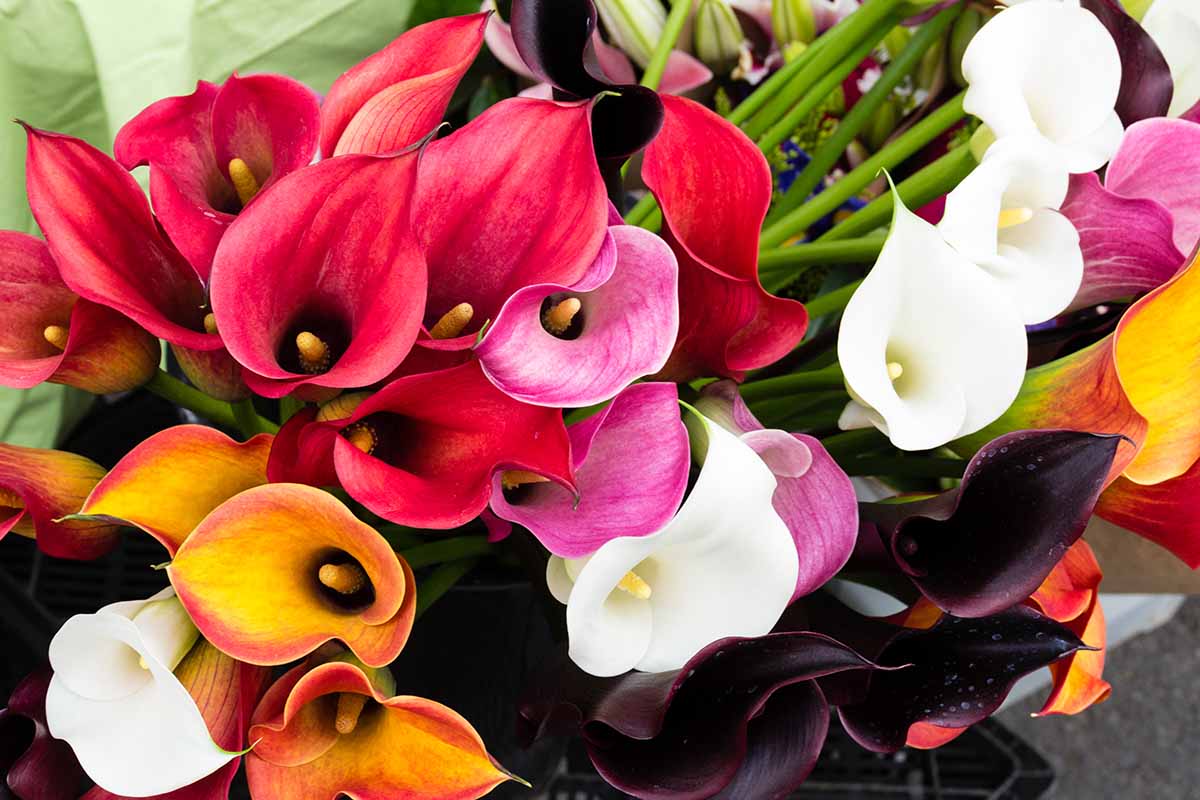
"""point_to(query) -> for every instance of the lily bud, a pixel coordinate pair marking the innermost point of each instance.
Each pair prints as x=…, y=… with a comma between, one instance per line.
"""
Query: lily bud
x=635, y=26
x=719, y=35
x=793, y=21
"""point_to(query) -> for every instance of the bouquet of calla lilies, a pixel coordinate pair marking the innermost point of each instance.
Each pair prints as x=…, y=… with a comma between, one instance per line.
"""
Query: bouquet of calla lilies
x=732, y=313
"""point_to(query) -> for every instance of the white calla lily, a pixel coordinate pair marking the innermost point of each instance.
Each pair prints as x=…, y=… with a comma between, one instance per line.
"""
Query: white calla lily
x=1004, y=218
x=929, y=349
x=1051, y=71
x=133, y=726
x=726, y=565
x=1175, y=27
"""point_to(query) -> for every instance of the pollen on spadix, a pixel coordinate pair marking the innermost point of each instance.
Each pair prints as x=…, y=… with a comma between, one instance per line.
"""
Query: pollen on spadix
x=558, y=318
x=635, y=584
x=453, y=322
x=1010, y=217
x=243, y=180
x=57, y=336
x=314, y=353
x=894, y=369
x=342, y=578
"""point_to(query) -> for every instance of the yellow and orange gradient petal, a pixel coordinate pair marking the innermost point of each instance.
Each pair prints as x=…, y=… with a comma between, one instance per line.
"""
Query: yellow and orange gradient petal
x=324, y=731
x=278, y=570
x=171, y=481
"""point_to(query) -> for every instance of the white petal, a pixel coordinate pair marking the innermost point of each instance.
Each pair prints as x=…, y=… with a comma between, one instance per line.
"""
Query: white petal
x=1039, y=264
x=136, y=734
x=855, y=416
x=1049, y=69
x=1175, y=27
x=557, y=579
x=961, y=343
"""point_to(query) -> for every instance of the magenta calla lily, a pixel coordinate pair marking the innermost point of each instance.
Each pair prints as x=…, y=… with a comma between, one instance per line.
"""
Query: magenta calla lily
x=624, y=327
x=497, y=228
x=333, y=242
x=210, y=152
x=1137, y=227
x=814, y=495
x=631, y=463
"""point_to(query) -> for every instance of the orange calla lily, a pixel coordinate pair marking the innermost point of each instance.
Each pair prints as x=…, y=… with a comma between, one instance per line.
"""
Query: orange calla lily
x=38, y=487
x=328, y=731
x=278, y=570
x=172, y=480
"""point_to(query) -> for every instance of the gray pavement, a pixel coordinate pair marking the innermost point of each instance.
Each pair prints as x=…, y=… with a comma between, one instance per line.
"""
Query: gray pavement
x=1144, y=742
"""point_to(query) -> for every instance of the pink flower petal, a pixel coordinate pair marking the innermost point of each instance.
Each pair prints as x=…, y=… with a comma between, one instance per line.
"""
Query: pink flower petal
x=1159, y=159
x=684, y=72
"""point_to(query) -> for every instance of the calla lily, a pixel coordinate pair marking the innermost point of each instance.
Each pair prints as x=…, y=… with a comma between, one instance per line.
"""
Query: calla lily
x=989, y=543
x=1051, y=71
x=724, y=566
x=334, y=243
x=631, y=462
x=197, y=467
x=929, y=351
x=814, y=497
x=301, y=570
x=1175, y=27
x=328, y=730
x=33, y=763
x=728, y=323
x=211, y=152
x=494, y=230
x=114, y=698
x=397, y=96
x=415, y=459
x=743, y=718
x=40, y=487
x=575, y=346
x=52, y=335
x=1003, y=217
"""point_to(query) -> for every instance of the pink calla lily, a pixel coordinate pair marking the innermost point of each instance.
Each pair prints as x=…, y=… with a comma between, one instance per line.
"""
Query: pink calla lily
x=210, y=153
x=631, y=463
x=623, y=327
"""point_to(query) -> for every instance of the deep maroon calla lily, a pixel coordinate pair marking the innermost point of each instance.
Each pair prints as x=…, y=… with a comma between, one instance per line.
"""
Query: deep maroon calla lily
x=728, y=324
x=1146, y=85
x=984, y=546
x=395, y=97
x=531, y=210
x=112, y=252
x=52, y=335
x=631, y=462
x=814, y=496
x=575, y=346
x=212, y=151
x=422, y=451
x=35, y=765
x=718, y=724
x=347, y=280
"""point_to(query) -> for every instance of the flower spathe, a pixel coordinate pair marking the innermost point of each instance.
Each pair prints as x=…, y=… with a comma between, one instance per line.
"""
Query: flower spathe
x=929, y=351
x=317, y=572
x=114, y=698
x=725, y=565
x=1175, y=26
x=326, y=730
x=32, y=762
x=1049, y=70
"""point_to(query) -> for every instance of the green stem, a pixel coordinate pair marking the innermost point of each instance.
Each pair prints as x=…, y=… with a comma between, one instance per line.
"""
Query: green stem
x=906, y=466
x=818, y=379
x=854, y=182
x=849, y=443
x=831, y=302
x=827, y=155
x=288, y=406
x=440, y=581
x=770, y=88
x=248, y=420
x=926, y=185
x=662, y=51
x=453, y=549
x=829, y=80
x=179, y=393
x=778, y=268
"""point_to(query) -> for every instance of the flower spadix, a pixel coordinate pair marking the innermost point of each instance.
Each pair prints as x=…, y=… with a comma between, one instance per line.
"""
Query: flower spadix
x=332, y=729
x=929, y=348
x=725, y=565
x=281, y=569
x=1003, y=217
x=1050, y=70
x=133, y=726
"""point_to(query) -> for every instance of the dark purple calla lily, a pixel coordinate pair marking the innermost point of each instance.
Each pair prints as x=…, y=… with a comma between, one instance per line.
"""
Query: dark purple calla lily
x=743, y=718
x=33, y=764
x=1146, y=85
x=988, y=544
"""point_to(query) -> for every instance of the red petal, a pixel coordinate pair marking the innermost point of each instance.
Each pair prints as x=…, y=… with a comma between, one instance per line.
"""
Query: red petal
x=513, y=199
x=269, y=121
x=107, y=245
x=398, y=95
x=1166, y=513
x=714, y=187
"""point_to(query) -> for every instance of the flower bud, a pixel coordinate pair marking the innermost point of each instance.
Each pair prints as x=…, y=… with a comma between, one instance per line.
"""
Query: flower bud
x=793, y=21
x=635, y=26
x=719, y=35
